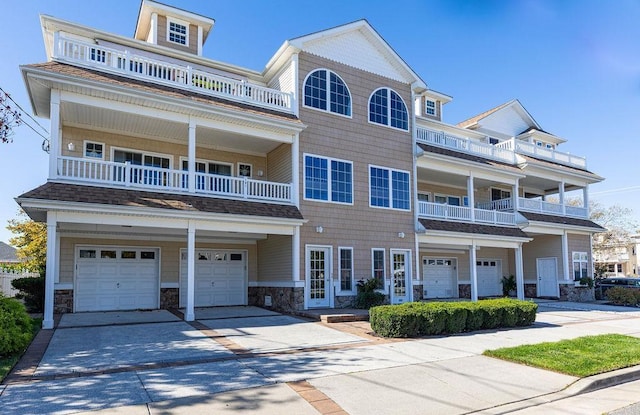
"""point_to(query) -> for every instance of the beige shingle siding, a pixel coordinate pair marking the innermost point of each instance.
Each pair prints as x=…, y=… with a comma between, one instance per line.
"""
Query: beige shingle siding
x=169, y=255
x=275, y=258
x=579, y=243
x=279, y=162
x=356, y=140
x=543, y=246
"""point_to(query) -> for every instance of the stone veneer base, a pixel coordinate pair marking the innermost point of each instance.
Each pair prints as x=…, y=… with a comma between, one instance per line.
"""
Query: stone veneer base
x=63, y=301
x=282, y=298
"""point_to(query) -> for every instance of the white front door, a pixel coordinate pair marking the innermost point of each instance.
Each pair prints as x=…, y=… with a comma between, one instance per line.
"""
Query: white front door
x=439, y=275
x=318, y=277
x=489, y=278
x=547, y=269
x=220, y=278
x=116, y=278
x=400, y=276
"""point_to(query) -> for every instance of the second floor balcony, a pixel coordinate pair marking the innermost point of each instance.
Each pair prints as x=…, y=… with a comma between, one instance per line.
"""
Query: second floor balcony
x=466, y=214
x=537, y=206
x=156, y=178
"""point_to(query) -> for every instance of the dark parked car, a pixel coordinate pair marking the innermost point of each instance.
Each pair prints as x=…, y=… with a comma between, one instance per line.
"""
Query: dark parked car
x=603, y=284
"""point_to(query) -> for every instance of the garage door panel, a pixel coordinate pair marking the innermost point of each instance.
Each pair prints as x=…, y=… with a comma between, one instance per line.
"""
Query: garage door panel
x=489, y=277
x=439, y=277
x=219, y=281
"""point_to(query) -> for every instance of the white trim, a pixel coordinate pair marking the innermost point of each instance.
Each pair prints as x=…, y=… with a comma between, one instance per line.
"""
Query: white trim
x=538, y=278
x=328, y=91
x=143, y=153
x=388, y=110
x=63, y=286
x=390, y=170
x=456, y=268
x=329, y=265
x=408, y=275
x=329, y=181
x=580, y=261
x=384, y=267
x=340, y=291
x=171, y=19
x=205, y=161
x=278, y=284
x=169, y=285
x=84, y=149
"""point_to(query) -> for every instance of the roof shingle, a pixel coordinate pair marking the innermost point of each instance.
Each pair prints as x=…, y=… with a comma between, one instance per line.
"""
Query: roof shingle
x=473, y=228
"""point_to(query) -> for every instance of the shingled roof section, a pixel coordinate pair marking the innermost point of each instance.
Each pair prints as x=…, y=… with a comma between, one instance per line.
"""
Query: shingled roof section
x=8, y=254
x=473, y=228
x=123, y=81
x=562, y=220
x=476, y=159
x=63, y=192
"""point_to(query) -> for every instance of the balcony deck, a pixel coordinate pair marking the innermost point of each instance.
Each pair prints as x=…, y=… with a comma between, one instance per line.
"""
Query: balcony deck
x=466, y=214
x=127, y=175
x=85, y=53
x=538, y=206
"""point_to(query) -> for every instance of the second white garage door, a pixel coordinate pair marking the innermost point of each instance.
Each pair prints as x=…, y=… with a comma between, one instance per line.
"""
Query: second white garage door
x=489, y=277
x=439, y=276
x=220, y=278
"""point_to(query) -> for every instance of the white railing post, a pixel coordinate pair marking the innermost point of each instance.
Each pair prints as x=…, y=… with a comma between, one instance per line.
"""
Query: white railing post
x=127, y=173
x=245, y=187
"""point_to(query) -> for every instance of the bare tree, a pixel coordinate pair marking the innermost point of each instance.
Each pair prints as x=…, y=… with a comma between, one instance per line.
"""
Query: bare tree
x=10, y=117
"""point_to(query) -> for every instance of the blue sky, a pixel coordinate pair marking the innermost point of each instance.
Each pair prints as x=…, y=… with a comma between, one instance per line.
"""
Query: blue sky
x=574, y=64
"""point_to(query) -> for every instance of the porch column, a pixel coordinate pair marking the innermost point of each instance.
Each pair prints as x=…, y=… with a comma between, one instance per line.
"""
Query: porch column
x=474, y=272
x=192, y=156
x=561, y=195
x=295, y=248
x=565, y=256
x=470, y=197
x=51, y=270
x=519, y=273
x=54, y=135
x=585, y=198
x=189, y=314
x=516, y=195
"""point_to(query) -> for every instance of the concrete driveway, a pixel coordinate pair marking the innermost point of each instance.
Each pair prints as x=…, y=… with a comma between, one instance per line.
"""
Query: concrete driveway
x=239, y=360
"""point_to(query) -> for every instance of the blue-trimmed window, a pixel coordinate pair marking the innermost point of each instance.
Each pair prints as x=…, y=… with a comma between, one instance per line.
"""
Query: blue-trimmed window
x=389, y=188
x=322, y=86
x=386, y=107
x=328, y=179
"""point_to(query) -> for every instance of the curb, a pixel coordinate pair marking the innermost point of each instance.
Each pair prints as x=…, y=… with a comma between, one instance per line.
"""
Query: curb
x=603, y=380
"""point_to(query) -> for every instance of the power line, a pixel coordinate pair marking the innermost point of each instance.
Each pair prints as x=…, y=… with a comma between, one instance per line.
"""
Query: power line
x=23, y=111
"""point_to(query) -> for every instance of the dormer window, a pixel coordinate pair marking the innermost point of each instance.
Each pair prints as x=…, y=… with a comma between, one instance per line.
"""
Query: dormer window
x=430, y=107
x=177, y=32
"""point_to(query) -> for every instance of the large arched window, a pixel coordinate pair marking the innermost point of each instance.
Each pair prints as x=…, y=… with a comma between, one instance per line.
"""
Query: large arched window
x=386, y=107
x=325, y=90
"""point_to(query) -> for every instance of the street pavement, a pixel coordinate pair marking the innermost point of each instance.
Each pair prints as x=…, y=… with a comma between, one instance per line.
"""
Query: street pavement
x=249, y=360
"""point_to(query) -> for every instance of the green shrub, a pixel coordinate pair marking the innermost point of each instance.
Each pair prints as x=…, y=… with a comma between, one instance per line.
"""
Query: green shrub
x=422, y=319
x=623, y=296
x=367, y=295
x=31, y=290
x=15, y=327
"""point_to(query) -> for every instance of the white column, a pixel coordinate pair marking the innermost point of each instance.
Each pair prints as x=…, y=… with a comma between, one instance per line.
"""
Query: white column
x=295, y=99
x=516, y=195
x=54, y=136
x=519, y=273
x=474, y=272
x=200, y=37
x=585, y=198
x=561, y=195
x=295, y=248
x=565, y=256
x=295, y=170
x=57, y=274
x=470, y=197
x=51, y=270
x=192, y=155
x=154, y=29
x=189, y=315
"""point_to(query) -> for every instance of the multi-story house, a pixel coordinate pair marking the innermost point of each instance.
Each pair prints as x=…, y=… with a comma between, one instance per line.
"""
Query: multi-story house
x=618, y=260
x=180, y=181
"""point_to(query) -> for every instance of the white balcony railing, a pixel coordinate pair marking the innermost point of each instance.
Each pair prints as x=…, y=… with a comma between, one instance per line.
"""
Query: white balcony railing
x=465, y=145
x=123, y=62
x=462, y=213
x=156, y=178
x=537, y=206
x=531, y=149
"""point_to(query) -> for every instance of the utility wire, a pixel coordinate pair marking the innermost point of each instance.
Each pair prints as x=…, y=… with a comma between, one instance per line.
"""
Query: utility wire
x=24, y=112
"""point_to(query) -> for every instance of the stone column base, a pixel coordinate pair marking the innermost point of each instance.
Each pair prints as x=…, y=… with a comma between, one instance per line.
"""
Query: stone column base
x=282, y=298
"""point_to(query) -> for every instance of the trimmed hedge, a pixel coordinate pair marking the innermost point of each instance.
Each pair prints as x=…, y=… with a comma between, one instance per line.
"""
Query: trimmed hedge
x=15, y=327
x=623, y=296
x=424, y=319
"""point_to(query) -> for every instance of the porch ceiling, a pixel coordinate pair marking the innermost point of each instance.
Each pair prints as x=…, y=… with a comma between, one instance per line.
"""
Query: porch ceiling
x=132, y=124
x=453, y=180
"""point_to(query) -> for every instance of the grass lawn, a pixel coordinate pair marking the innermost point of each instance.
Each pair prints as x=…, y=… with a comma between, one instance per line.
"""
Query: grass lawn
x=7, y=362
x=584, y=356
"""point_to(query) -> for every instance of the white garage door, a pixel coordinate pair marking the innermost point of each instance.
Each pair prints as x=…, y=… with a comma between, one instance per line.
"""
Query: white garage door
x=116, y=278
x=220, y=278
x=489, y=277
x=439, y=275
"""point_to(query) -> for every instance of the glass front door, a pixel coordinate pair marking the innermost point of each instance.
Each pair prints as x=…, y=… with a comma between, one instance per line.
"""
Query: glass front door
x=400, y=276
x=318, y=276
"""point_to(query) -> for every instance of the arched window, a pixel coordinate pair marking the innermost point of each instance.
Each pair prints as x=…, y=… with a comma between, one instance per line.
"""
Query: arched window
x=326, y=91
x=386, y=107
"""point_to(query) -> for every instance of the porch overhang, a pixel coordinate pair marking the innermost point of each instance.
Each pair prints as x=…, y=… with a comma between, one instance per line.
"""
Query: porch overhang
x=439, y=233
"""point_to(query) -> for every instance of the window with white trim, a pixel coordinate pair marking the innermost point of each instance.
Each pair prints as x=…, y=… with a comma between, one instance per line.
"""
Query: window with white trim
x=345, y=261
x=324, y=86
x=177, y=32
x=244, y=169
x=450, y=200
x=389, y=188
x=94, y=150
x=328, y=179
x=430, y=107
x=499, y=194
x=423, y=197
x=154, y=177
x=386, y=107
x=580, y=265
x=377, y=266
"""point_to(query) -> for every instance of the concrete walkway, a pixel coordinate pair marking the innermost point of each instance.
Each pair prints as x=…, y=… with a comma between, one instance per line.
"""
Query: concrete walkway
x=250, y=360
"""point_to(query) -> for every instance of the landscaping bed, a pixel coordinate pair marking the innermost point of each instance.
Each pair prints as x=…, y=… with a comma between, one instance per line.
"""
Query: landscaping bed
x=432, y=318
x=17, y=330
x=583, y=356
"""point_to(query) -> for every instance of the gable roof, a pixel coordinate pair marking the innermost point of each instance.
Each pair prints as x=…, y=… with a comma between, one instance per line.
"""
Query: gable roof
x=8, y=253
x=356, y=44
x=514, y=103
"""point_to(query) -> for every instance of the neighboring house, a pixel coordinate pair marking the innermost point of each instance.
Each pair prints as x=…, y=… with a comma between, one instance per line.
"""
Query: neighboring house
x=179, y=181
x=8, y=255
x=619, y=260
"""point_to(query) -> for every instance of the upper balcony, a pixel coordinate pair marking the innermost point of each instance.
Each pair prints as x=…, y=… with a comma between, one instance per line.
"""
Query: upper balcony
x=538, y=206
x=465, y=214
x=153, y=68
x=544, y=153
x=162, y=179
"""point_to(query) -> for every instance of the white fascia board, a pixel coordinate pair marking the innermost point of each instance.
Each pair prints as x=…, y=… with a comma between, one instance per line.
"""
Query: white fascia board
x=279, y=59
x=463, y=167
x=279, y=284
x=549, y=228
x=545, y=136
x=552, y=173
x=460, y=239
